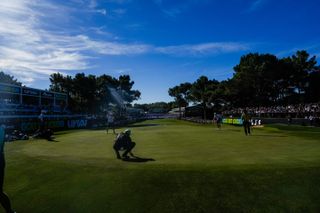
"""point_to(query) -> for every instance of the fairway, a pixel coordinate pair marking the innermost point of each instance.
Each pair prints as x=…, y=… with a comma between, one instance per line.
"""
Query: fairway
x=196, y=168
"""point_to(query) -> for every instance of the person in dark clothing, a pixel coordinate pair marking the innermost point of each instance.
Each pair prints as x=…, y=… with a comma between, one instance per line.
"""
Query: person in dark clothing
x=219, y=120
x=289, y=118
x=246, y=121
x=124, y=142
x=4, y=199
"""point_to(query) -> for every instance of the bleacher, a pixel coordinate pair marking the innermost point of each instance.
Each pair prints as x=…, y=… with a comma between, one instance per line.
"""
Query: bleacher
x=19, y=100
x=20, y=106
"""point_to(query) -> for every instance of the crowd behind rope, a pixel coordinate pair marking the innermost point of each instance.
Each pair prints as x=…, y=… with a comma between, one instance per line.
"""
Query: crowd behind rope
x=295, y=111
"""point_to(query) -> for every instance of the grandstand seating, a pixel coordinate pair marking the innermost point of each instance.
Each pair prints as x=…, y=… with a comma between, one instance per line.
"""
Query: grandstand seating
x=16, y=100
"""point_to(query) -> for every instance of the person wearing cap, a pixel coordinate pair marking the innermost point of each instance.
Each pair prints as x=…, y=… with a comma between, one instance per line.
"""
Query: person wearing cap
x=4, y=199
x=123, y=142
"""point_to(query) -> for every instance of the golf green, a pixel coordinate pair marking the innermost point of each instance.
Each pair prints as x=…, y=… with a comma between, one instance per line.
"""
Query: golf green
x=185, y=167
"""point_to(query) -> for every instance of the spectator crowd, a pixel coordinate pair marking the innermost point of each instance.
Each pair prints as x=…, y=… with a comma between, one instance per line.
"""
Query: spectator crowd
x=295, y=111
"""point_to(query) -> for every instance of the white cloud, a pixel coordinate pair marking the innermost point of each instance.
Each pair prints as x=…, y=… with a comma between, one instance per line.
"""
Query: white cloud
x=203, y=49
x=30, y=50
x=102, y=11
x=27, y=47
x=93, y=7
x=312, y=49
x=110, y=48
x=100, y=31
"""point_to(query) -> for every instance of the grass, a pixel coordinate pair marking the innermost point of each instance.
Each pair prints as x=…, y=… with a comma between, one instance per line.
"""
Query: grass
x=196, y=169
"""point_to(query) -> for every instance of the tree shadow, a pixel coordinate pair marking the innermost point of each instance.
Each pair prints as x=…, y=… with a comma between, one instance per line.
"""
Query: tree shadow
x=138, y=159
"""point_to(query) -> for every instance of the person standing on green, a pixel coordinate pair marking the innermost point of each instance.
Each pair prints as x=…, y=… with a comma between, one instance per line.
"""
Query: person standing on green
x=246, y=122
x=4, y=199
x=110, y=122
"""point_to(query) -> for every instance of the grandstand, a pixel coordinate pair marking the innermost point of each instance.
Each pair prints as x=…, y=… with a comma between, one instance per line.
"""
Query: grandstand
x=20, y=100
x=20, y=107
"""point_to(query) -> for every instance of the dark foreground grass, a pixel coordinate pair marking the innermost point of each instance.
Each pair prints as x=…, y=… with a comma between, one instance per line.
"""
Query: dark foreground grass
x=195, y=169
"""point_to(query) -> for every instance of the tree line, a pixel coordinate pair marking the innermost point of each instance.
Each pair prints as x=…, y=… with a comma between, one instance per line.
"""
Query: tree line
x=156, y=107
x=94, y=94
x=258, y=80
x=89, y=93
x=8, y=79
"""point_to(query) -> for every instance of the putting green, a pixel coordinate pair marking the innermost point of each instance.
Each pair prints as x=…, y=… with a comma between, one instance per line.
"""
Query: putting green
x=196, y=168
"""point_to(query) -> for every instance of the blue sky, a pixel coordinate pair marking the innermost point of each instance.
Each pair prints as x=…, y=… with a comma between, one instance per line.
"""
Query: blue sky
x=159, y=43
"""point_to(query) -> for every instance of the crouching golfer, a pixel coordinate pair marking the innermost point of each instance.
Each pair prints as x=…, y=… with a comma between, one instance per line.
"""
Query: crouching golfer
x=124, y=142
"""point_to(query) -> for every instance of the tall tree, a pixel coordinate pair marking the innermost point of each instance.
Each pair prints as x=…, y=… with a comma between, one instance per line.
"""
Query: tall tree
x=283, y=83
x=84, y=92
x=125, y=86
x=261, y=80
x=202, y=91
x=6, y=78
x=158, y=107
x=104, y=97
x=302, y=66
x=63, y=84
x=91, y=94
x=181, y=94
x=254, y=77
x=313, y=87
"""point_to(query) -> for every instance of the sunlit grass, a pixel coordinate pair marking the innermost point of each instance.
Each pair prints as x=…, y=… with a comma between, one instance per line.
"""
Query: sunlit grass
x=196, y=168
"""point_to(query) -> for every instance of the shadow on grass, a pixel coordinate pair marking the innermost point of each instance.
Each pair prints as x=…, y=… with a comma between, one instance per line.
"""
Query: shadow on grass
x=235, y=130
x=270, y=136
x=143, y=125
x=312, y=133
x=296, y=128
x=138, y=160
x=53, y=140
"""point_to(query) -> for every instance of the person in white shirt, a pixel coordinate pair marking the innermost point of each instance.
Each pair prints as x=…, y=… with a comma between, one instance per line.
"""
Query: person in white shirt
x=110, y=123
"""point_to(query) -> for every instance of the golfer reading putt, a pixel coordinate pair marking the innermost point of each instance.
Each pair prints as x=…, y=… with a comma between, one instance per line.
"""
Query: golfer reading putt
x=123, y=142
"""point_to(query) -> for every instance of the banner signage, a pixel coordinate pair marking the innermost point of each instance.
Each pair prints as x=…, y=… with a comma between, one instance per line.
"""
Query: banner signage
x=238, y=121
x=58, y=124
x=32, y=92
x=46, y=94
x=234, y=121
x=74, y=124
x=60, y=96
